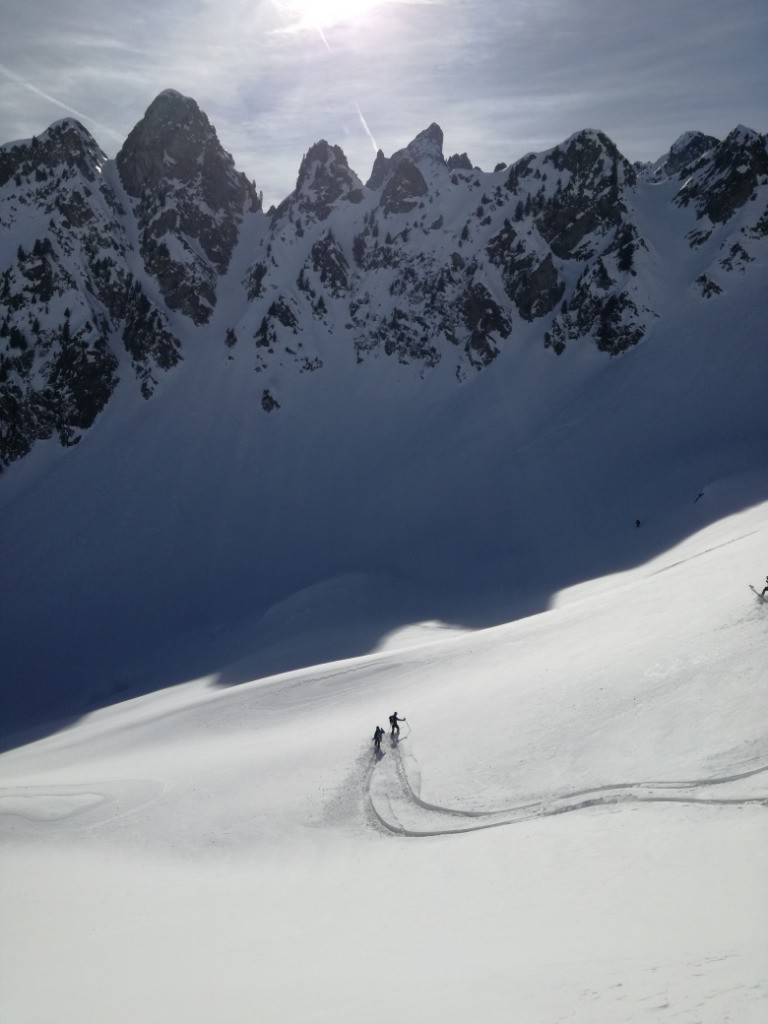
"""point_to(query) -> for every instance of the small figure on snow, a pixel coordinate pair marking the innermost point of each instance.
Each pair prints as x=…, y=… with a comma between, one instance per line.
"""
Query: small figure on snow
x=765, y=588
x=637, y=524
x=377, y=737
x=393, y=720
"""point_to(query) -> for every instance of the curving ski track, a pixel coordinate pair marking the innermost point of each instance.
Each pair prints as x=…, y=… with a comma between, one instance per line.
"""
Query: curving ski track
x=399, y=809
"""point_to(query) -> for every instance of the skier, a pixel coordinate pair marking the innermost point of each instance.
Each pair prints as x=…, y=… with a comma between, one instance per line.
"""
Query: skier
x=393, y=720
x=765, y=588
x=377, y=737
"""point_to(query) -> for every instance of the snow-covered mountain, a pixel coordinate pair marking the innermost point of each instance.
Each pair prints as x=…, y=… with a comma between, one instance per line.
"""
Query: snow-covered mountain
x=111, y=271
x=404, y=398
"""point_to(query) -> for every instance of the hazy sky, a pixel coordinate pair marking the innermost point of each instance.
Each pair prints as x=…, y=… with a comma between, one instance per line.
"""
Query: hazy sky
x=501, y=77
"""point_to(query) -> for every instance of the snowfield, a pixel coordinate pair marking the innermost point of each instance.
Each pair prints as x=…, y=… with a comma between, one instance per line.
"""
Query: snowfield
x=573, y=826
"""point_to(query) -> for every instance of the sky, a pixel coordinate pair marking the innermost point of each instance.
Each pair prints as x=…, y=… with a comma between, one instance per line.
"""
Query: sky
x=501, y=77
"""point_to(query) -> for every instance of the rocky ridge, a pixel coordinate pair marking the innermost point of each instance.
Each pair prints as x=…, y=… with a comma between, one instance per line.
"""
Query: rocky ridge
x=110, y=271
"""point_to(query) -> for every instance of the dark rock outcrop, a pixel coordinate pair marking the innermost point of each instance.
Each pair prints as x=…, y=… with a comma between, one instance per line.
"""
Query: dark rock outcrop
x=724, y=182
x=190, y=201
x=324, y=179
x=432, y=262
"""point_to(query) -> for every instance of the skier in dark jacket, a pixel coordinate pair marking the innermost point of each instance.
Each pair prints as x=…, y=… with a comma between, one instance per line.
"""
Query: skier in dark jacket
x=393, y=720
x=765, y=588
x=377, y=737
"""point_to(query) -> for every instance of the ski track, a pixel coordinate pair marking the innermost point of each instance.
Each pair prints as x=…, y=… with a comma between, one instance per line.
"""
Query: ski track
x=390, y=798
x=399, y=809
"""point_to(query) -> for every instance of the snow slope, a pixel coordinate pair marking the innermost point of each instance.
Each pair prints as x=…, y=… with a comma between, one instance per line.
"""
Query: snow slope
x=195, y=530
x=572, y=827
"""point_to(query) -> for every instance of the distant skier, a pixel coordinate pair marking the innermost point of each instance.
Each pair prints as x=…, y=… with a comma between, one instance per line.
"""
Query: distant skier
x=377, y=737
x=765, y=588
x=393, y=720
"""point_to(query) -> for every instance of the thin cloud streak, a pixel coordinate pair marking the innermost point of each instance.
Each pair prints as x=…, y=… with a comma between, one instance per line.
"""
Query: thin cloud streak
x=30, y=87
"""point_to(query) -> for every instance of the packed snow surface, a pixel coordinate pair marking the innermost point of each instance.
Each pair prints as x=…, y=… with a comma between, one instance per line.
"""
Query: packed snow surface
x=573, y=825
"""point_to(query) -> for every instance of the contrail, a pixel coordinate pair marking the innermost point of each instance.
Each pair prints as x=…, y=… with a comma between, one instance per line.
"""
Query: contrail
x=368, y=131
x=57, y=103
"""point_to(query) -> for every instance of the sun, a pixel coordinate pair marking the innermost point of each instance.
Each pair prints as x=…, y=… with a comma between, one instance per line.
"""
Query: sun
x=323, y=14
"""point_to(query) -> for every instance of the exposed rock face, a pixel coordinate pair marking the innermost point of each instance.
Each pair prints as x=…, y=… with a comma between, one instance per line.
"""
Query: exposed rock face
x=686, y=152
x=324, y=179
x=74, y=311
x=432, y=263
x=723, y=183
x=572, y=199
x=683, y=156
x=191, y=201
x=65, y=144
x=379, y=172
x=328, y=261
x=536, y=287
x=460, y=162
x=147, y=338
x=426, y=148
x=57, y=370
x=404, y=188
x=591, y=178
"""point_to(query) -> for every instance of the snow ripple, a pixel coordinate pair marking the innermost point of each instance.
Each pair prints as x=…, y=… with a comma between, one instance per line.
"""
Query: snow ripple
x=98, y=801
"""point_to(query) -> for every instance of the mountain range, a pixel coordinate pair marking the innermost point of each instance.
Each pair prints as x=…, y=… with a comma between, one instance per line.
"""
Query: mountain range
x=112, y=270
x=219, y=422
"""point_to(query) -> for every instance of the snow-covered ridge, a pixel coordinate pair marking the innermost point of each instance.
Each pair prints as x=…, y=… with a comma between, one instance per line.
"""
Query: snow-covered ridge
x=431, y=263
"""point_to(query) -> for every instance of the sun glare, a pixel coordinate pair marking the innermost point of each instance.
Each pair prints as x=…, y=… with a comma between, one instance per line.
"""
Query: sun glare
x=323, y=14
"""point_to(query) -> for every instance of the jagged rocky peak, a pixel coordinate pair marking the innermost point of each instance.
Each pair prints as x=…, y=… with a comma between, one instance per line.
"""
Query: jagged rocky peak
x=743, y=151
x=725, y=179
x=324, y=178
x=67, y=143
x=460, y=162
x=682, y=158
x=428, y=145
x=166, y=144
x=425, y=150
x=684, y=153
x=191, y=201
x=176, y=143
x=588, y=162
x=573, y=191
x=590, y=155
x=401, y=178
x=378, y=171
x=325, y=163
